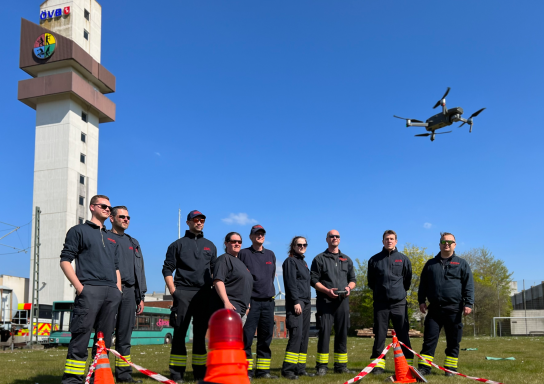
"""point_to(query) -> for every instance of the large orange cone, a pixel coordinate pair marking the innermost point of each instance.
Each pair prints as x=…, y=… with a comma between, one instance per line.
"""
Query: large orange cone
x=102, y=373
x=403, y=374
x=226, y=361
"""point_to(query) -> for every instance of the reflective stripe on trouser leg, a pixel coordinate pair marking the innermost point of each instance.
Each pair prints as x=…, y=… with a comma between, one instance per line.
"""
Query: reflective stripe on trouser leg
x=291, y=357
x=423, y=362
x=302, y=358
x=381, y=364
x=121, y=363
x=74, y=367
x=322, y=358
x=199, y=359
x=341, y=358
x=178, y=360
x=250, y=365
x=451, y=362
x=263, y=363
x=410, y=361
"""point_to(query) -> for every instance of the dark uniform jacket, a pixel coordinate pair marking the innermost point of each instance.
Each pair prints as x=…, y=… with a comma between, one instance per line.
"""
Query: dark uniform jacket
x=333, y=270
x=449, y=285
x=139, y=270
x=193, y=258
x=389, y=275
x=262, y=265
x=95, y=253
x=296, y=279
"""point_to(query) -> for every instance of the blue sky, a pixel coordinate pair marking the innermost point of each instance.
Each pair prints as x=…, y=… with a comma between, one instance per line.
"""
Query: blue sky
x=282, y=111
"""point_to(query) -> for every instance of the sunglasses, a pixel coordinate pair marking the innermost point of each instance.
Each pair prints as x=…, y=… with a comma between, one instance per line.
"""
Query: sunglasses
x=302, y=245
x=450, y=242
x=103, y=206
x=235, y=241
x=198, y=220
x=334, y=236
x=123, y=217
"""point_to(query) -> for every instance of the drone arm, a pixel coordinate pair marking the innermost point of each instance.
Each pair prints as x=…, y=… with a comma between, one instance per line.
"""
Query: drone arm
x=444, y=109
x=410, y=124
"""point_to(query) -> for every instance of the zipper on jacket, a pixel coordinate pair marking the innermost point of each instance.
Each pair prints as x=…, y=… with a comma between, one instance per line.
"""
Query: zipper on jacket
x=102, y=236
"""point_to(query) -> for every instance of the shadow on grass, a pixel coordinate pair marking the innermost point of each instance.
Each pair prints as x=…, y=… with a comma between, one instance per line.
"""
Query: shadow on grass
x=40, y=379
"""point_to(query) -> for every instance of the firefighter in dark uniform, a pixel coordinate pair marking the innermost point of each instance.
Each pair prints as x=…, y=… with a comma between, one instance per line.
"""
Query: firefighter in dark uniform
x=298, y=307
x=192, y=258
x=131, y=267
x=446, y=282
x=97, y=282
x=389, y=276
x=261, y=263
x=333, y=278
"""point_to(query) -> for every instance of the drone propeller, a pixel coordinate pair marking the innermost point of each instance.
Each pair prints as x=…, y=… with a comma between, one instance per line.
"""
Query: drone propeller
x=413, y=120
x=434, y=133
x=443, y=97
x=440, y=133
x=424, y=134
x=469, y=120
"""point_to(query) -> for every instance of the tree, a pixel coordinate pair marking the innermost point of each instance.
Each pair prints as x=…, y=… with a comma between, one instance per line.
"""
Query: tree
x=418, y=257
x=491, y=288
x=360, y=300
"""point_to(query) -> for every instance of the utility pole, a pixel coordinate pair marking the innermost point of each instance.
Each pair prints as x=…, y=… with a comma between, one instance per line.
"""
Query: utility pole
x=525, y=307
x=179, y=223
x=35, y=307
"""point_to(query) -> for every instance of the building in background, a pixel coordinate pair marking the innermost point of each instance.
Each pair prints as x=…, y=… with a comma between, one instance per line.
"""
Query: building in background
x=19, y=285
x=62, y=55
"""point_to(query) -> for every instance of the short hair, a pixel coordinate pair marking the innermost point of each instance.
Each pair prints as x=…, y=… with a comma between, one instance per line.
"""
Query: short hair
x=291, y=250
x=389, y=232
x=95, y=198
x=228, y=237
x=442, y=234
x=115, y=209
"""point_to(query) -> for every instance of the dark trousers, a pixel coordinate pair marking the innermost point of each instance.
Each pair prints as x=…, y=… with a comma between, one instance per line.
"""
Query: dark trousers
x=187, y=305
x=334, y=313
x=96, y=307
x=398, y=313
x=452, y=323
x=261, y=319
x=126, y=315
x=297, y=347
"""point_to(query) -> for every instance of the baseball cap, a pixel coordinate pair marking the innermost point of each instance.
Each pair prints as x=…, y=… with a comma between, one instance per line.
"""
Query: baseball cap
x=194, y=214
x=256, y=228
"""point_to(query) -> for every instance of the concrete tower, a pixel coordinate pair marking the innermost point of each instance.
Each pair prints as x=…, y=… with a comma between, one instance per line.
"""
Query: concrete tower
x=62, y=54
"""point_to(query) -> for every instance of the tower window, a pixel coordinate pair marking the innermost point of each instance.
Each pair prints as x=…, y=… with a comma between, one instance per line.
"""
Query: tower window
x=83, y=137
x=81, y=200
x=81, y=179
x=87, y=14
x=80, y=220
x=86, y=34
x=82, y=158
x=84, y=116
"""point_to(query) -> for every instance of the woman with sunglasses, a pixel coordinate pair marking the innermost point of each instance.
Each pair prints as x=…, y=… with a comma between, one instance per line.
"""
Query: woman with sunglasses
x=232, y=281
x=296, y=279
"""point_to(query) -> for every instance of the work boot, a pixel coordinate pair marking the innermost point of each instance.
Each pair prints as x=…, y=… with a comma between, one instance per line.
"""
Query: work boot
x=343, y=370
x=267, y=376
x=290, y=376
x=304, y=373
x=321, y=371
x=131, y=380
x=449, y=373
x=424, y=370
x=377, y=371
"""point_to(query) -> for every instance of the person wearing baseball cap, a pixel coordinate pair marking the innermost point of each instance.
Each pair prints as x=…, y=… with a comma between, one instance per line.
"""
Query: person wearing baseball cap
x=261, y=263
x=192, y=258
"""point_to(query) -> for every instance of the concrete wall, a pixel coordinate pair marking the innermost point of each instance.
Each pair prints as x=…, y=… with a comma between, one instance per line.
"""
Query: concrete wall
x=527, y=326
x=20, y=286
x=57, y=187
x=72, y=26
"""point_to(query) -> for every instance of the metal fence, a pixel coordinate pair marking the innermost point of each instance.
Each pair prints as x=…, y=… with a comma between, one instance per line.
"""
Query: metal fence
x=518, y=326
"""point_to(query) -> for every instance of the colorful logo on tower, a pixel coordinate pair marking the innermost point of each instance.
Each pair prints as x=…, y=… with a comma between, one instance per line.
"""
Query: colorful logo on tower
x=44, y=46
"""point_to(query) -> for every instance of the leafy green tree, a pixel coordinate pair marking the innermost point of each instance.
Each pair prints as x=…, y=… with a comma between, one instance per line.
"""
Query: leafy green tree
x=418, y=257
x=360, y=300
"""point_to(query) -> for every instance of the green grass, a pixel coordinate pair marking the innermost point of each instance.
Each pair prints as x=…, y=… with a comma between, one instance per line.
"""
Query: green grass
x=46, y=366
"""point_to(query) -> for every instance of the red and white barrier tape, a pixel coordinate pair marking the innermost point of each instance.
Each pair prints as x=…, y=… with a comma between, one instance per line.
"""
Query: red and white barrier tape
x=447, y=370
x=93, y=365
x=146, y=372
x=369, y=367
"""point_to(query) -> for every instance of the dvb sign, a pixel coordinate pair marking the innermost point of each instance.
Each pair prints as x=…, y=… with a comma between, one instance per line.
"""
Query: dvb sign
x=44, y=15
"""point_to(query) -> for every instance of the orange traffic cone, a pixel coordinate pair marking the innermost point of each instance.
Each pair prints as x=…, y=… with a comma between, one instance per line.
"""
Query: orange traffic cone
x=226, y=362
x=403, y=374
x=102, y=373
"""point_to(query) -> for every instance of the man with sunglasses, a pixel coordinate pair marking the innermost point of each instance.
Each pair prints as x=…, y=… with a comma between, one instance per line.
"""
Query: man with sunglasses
x=193, y=259
x=446, y=282
x=131, y=267
x=389, y=276
x=97, y=282
x=261, y=263
x=333, y=278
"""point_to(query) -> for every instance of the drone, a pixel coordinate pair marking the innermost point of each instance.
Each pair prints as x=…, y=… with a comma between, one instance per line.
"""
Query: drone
x=440, y=120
